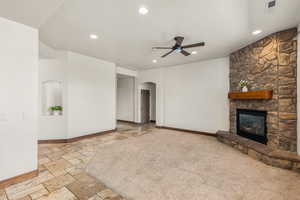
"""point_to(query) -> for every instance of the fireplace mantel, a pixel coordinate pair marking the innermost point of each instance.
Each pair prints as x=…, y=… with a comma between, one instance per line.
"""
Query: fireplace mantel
x=252, y=95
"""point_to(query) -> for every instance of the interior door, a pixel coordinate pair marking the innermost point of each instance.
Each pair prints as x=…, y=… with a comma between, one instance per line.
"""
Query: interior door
x=145, y=106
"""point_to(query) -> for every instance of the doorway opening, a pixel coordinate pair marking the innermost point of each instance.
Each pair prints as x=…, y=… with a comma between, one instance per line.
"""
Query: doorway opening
x=125, y=103
x=148, y=103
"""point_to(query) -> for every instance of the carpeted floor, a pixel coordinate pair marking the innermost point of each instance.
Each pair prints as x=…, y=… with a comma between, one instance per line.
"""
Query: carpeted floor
x=171, y=165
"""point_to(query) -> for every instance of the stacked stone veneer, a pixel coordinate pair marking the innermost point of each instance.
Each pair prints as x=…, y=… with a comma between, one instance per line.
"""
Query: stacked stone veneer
x=271, y=64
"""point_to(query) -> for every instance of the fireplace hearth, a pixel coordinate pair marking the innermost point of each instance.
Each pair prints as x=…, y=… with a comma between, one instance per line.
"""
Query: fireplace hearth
x=252, y=124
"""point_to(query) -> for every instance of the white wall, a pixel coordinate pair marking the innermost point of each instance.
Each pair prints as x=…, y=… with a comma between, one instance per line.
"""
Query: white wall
x=53, y=127
x=89, y=90
x=153, y=102
x=91, y=95
x=298, y=91
x=196, y=96
x=191, y=96
x=153, y=76
x=125, y=99
x=19, y=100
x=46, y=52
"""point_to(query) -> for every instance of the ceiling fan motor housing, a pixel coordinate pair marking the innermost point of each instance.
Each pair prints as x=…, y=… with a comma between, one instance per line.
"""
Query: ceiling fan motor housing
x=178, y=38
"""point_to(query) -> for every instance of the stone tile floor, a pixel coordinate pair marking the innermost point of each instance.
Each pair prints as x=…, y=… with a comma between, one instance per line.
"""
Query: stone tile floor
x=61, y=170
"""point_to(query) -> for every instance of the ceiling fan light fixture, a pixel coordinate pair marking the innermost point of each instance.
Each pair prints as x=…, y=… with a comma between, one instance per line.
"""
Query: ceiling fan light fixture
x=143, y=10
x=93, y=36
x=154, y=61
x=194, y=52
x=178, y=50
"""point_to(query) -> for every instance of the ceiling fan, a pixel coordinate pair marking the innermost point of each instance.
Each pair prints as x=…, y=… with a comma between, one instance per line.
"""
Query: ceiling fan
x=179, y=48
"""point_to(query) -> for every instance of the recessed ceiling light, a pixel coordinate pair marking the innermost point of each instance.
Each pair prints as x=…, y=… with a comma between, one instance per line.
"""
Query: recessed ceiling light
x=256, y=32
x=93, y=36
x=154, y=61
x=143, y=10
x=194, y=52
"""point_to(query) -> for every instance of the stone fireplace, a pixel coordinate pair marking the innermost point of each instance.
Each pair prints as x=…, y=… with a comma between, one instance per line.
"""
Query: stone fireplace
x=269, y=64
x=252, y=124
x=265, y=128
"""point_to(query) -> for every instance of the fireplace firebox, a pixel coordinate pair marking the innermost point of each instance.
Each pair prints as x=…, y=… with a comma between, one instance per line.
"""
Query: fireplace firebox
x=252, y=124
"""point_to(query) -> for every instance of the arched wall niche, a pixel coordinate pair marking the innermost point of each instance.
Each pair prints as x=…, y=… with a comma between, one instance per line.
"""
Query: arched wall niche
x=52, y=96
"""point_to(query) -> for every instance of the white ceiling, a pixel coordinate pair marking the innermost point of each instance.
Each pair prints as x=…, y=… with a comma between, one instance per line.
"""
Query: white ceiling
x=30, y=12
x=127, y=38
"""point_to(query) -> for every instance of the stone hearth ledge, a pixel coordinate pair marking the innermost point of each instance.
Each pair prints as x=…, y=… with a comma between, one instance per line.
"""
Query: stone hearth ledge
x=261, y=152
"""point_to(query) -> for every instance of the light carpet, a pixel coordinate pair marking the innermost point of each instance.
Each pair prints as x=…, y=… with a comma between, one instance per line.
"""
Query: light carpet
x=172, y=165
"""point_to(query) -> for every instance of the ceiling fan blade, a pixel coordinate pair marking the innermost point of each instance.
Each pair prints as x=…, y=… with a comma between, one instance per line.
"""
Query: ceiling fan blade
x=185, y=53
x=179, y=40
x=167, y=54
x=162, y=48
x=194, y=45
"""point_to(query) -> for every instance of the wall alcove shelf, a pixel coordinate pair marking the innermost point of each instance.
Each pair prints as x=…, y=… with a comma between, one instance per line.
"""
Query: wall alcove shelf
x=254, y=95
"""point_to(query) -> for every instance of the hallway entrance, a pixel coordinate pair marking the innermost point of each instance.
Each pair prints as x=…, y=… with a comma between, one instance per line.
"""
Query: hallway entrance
x=147, y=102
x=145, y=106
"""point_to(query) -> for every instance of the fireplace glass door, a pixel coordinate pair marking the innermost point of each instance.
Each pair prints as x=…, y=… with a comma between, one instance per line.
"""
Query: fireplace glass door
x=252, y=125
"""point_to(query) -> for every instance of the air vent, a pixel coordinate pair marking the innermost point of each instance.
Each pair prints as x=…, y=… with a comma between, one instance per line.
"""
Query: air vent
x=271, y=4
